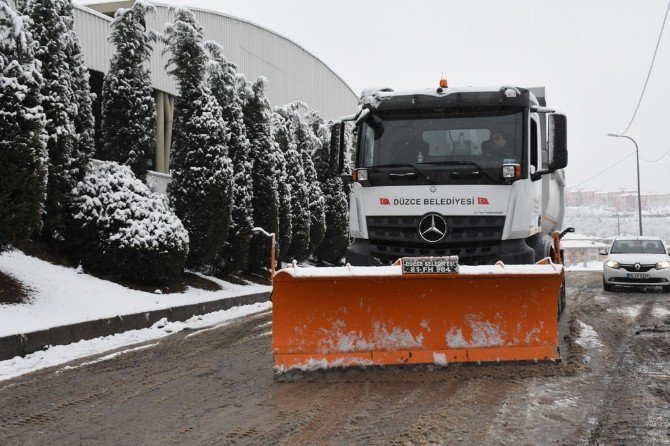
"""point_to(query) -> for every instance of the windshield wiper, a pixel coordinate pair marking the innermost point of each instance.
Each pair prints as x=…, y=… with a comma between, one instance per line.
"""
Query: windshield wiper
x=413, y=166
x=461, y=163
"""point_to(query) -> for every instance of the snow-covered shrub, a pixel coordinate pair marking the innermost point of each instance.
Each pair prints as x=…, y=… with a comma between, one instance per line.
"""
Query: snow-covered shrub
x=265, y=201
x=22, y=138
x=128, y=127
x=224, y=81
x=124, y=229
x=202, y=173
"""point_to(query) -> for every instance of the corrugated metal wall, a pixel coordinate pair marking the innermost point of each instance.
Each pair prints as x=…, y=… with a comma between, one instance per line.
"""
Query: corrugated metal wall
x=292, y=72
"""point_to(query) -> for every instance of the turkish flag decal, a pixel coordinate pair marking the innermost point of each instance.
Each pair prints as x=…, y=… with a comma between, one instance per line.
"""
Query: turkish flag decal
x=384, y=201
x=483, y=200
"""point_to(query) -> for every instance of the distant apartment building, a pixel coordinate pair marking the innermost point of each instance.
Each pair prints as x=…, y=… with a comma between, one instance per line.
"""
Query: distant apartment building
x=621, y=201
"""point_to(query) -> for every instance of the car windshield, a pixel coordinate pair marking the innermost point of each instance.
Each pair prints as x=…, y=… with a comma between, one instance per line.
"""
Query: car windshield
x=637, y=247
x=488, y=139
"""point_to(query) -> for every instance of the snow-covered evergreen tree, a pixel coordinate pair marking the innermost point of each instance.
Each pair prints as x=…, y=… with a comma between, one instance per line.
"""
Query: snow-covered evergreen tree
x=285, y=235
x=223, y=81
x=284, y=123
x=306, y=144
x=83, y=120
x=334, y=244
x=23, y=155
x=52, y=35
x=201, y=186
x=128, y=127
x=265, y=199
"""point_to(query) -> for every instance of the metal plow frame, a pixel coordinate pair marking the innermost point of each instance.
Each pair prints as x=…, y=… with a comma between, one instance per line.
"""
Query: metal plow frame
x=351, y=316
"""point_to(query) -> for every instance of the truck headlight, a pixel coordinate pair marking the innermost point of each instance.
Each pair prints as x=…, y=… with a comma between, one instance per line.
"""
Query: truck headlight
x=663, y=265
x=360, y=175
x=613, y=264
x=511, y=171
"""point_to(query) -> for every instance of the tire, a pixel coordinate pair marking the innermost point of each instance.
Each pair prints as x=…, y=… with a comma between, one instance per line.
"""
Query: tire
x=666, y=289
x=607, y=286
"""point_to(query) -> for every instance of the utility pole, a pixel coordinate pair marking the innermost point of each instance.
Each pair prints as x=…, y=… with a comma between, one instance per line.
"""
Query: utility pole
x=637, y=156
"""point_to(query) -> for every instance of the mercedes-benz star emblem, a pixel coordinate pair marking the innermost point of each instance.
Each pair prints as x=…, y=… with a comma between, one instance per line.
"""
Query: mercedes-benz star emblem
x=432, y=228
x=637, y=267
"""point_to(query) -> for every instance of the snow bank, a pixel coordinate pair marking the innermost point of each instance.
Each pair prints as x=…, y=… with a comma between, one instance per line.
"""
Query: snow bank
x=61, y=354
x=63, y=296
x=377, y=271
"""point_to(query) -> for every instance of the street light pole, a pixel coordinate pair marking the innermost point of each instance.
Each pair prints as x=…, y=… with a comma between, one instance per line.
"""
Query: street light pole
x=618, y=225
x=637, y=156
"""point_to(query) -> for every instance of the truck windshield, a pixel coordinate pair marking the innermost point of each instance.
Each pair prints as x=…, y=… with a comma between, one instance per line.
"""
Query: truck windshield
x=637, y=247
x=488, y=139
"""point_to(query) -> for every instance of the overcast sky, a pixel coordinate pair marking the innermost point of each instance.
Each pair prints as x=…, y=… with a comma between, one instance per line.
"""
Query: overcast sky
x=592, y=56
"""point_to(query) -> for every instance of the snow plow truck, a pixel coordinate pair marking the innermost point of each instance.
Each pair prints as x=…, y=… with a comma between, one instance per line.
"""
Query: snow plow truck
x=456, y=201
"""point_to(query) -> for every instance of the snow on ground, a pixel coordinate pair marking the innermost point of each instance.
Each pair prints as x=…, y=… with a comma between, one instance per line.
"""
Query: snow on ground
x=632, y=311
x=661, y=312
x=60, y=354
x=588, y=337
x=63, y=296
x=594, y=265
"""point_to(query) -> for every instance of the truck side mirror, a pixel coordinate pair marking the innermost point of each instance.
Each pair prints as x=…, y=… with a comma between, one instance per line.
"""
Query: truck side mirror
x=336, y=152
x=558, y=141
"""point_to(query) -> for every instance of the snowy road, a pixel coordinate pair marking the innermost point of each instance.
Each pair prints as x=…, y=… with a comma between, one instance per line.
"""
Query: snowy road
x=215, y=386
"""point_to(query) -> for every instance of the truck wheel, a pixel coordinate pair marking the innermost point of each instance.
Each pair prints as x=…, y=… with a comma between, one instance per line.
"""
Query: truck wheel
x=666, y=289
x=607, y=286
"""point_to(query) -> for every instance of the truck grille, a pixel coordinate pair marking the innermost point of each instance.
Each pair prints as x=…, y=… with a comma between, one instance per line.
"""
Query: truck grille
x=475, y=240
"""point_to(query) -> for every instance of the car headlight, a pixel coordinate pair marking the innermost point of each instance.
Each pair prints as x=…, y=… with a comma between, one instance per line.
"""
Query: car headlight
x=663, y=265
x=613, y=264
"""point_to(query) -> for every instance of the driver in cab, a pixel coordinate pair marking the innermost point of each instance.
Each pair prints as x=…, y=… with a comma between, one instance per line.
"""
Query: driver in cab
x=499, y=145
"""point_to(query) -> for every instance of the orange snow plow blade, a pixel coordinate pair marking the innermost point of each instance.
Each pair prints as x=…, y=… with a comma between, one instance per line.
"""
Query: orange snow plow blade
x=351, y=316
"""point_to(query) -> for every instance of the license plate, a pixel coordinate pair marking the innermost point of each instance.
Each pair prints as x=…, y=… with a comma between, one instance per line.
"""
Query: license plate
x=637, y=276
x=430, y=265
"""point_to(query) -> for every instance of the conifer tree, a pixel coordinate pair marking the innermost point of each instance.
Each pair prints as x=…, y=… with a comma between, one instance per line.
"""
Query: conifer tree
x=223, y=80
x=265, y=198
x=83, y=120
x=307, y=143
x=52, y=35
x=128, y=127
x=23, y=155
x=284, y=135
x=335, y=242
x=201, y=186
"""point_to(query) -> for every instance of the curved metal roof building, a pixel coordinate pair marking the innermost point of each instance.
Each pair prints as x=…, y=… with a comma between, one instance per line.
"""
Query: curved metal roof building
x=293, y=73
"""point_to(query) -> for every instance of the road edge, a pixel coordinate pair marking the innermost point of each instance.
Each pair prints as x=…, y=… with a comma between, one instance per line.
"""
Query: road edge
x=26, y=343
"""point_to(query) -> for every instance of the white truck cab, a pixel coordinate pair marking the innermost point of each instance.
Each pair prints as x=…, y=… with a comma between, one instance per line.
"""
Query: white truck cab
x=473, y=172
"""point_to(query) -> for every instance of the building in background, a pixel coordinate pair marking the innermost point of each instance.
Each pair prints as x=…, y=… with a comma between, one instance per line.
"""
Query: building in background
x=293, y=73
x=581, y=249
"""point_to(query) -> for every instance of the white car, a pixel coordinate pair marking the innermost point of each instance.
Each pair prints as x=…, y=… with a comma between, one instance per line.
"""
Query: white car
x=636, y=262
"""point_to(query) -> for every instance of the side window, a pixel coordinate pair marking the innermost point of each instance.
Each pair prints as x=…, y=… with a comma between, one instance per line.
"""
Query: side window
x=533, y=144
x=368, y=146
